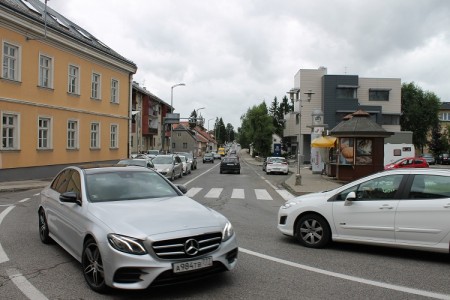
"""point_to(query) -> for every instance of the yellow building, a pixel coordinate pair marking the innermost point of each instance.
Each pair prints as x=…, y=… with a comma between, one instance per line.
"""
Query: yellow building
x=64, y=95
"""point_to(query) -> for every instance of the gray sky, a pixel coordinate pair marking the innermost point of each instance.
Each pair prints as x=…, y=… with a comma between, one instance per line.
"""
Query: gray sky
x=234, y=54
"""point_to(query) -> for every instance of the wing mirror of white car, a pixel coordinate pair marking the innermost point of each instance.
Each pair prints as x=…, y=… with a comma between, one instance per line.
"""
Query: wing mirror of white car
x=69, y=197
x=182, y=188
x=350, y=197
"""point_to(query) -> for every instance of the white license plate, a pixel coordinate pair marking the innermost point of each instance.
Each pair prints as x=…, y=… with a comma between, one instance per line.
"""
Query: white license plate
x=193, y=265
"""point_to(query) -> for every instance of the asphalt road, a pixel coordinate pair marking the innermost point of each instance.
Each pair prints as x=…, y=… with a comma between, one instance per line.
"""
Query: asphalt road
x=271, y=266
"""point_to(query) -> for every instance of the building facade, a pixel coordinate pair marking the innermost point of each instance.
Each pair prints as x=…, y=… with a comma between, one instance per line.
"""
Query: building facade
x=148, y=130
x=337, y=96
x=64, y=95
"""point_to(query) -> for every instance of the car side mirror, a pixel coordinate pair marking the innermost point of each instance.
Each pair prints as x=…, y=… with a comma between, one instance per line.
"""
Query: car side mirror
x=350, y=197
x=182, y=188
x=69, y=197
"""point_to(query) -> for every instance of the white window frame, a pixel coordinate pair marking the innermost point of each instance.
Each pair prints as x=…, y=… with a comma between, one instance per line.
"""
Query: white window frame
x=73, y=84
x=96, y=85
x=114, y=136
x=94, y=135
x=44, y=138
x=114, y=90
x=15, y=60
x=14, y=128
x=72, y=134
x=45, y=69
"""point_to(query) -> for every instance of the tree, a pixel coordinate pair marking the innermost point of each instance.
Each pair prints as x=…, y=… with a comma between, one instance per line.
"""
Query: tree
x=257, y=128
x=193, y=119
x=419, y=112
x=230, y=132
x=439, y=142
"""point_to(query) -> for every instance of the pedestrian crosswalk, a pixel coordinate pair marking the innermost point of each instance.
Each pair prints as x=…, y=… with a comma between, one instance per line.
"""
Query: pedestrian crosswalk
x=259, y=194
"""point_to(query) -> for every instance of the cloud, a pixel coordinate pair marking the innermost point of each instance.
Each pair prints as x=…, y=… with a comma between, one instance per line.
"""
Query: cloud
x=234, y=54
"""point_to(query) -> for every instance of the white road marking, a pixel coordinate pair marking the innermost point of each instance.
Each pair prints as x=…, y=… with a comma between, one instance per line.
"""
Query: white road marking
x=214, y=193
x=24, y=200
x=199, y=175
x=348, y=277
x=262, y=194
x=3, y=256
x=193, y=191
x=25, y=286
x=238, y=194
x=285, y=194
x=37, y=194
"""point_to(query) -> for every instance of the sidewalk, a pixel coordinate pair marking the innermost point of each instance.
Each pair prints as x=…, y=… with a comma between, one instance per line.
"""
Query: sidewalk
x=310, y=182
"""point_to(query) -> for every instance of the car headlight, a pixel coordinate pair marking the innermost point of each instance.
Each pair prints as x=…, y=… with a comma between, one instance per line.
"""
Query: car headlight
x=126, y=244
x=288, y=204
x=227, y=232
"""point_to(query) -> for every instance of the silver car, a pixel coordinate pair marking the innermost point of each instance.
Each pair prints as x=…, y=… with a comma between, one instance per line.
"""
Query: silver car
x=130, y=234
x=169, y=165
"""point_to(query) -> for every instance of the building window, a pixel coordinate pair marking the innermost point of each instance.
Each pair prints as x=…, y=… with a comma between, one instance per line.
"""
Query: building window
x=444, y=116
x=74, y=79
x=378, y=95
x=114, y=91
x=346, y=92
x=95, y=86
x=95, y=135
x=45, y=71
x=44, y=133
x=391, y=120
x=10, y=131
x=114, y=136
x=184, y=145
x=72, y=134
x=11, y=62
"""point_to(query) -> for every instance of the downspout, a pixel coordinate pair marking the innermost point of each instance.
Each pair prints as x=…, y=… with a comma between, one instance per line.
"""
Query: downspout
x=130, y=103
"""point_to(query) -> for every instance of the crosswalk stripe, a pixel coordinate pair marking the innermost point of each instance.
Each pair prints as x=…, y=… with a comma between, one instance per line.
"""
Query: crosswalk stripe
x=238, y=194
x=285, y=194
x=262, y=194
x=214, y=193
x=193, y=191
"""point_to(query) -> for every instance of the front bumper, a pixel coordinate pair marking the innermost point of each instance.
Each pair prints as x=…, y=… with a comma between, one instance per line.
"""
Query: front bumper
x=127, y=271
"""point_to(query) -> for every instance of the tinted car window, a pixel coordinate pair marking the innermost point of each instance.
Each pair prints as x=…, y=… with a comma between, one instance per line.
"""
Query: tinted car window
x=430, y=187
x=59, y=184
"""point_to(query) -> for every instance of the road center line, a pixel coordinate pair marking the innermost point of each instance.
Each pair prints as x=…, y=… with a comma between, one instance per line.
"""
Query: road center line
x=348, y=277
x=3, y=256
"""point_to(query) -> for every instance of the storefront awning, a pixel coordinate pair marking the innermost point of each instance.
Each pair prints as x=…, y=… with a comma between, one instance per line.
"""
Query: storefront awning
x=323, y=142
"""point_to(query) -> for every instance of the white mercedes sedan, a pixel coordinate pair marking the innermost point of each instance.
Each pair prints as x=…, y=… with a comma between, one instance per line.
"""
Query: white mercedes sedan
x=408, y=208
x=131, y=228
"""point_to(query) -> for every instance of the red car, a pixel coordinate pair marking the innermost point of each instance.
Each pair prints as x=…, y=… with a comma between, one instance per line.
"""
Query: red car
x=408, y=162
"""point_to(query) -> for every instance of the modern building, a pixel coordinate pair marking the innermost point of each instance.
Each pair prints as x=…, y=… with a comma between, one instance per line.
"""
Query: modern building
x=148, y=130
x=337, y=96
x=444, y=115
x=64, y=94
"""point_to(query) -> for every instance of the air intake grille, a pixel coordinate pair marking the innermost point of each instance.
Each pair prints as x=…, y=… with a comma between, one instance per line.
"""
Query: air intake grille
x=175, y=248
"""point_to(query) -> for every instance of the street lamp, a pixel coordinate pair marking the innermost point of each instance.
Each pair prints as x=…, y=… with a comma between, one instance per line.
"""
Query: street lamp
x=294, y=95
x=171, y=110
x=196, y=114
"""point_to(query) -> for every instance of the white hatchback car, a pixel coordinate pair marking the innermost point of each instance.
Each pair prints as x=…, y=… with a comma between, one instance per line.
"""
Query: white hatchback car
x=276, y=165
x=408, y=208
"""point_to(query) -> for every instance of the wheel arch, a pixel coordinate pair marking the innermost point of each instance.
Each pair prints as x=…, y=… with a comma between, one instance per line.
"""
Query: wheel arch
x=311, y=213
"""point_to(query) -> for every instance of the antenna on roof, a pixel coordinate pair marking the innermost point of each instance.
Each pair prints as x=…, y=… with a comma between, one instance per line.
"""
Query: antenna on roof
x=45, y=24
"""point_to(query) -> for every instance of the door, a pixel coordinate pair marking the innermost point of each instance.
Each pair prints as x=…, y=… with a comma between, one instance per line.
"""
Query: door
x=371, y=215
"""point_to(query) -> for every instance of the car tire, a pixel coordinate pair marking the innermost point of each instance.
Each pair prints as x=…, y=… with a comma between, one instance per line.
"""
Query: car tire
x=313, y=231
x=221, y=172
x=92, y=266
x=172, y=177
x=44, y=233
x=267, y=172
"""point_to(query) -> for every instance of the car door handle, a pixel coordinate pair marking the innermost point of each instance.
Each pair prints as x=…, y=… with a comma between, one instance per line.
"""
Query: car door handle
x=386, y=206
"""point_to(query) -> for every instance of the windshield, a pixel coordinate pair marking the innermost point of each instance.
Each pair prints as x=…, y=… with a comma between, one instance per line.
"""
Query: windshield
x=127, y=185
x=162, y=160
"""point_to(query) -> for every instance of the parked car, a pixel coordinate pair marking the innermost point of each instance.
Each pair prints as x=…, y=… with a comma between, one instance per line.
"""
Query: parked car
x=443, y=159
x=187, y=165
x=408, y=162
x=129, y=229
x=429, y=158
x=192, y=159
x=275, y=165
x=169, y=165
x=142, y=162
x=153, y=152
x=407, y=208
x=208, y=157
x=230, y=164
